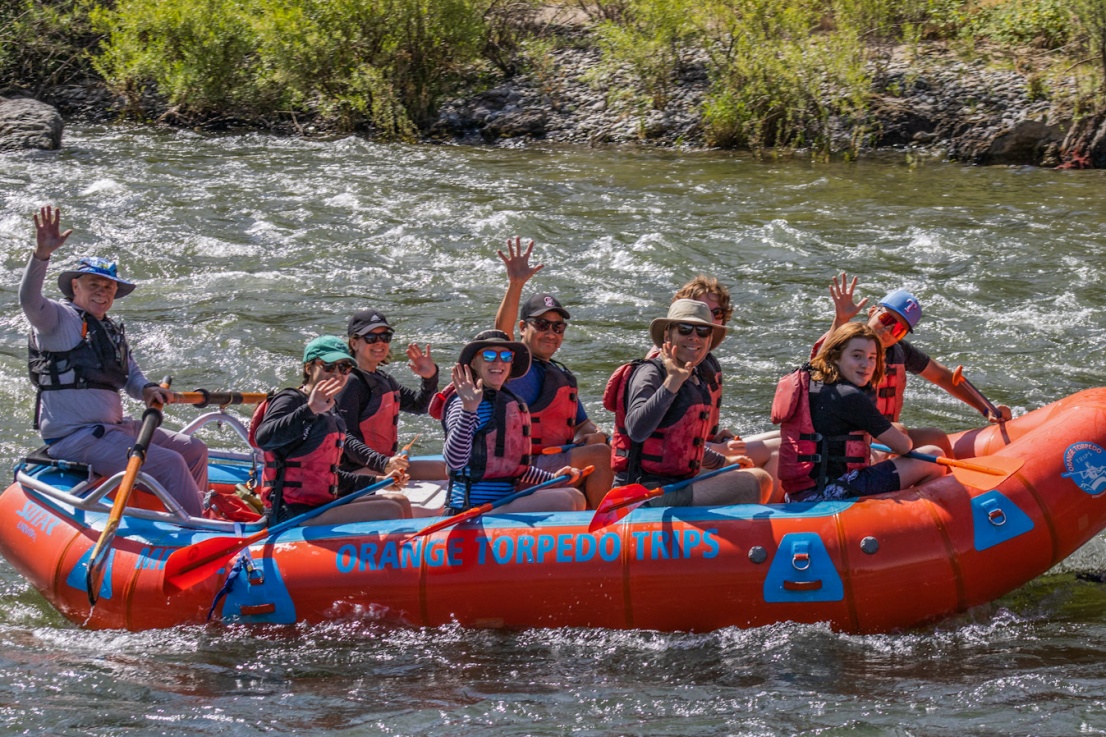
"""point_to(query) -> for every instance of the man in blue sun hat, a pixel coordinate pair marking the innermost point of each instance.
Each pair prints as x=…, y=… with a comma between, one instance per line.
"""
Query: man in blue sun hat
x=79, y=360
x=896, y=316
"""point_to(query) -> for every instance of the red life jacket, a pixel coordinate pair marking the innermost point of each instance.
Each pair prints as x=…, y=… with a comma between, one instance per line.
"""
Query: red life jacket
x=379, y=421
x=677, y=446
x=501, y=449
x=305, y=473
x=553, y=413
x=711, y=370
x=889, y=393
x=804, y=453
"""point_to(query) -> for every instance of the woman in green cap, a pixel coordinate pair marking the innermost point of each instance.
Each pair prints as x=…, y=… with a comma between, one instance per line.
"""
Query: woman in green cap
x=302, y=438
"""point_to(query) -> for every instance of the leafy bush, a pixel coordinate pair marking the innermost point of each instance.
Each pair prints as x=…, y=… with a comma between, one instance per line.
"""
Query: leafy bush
x=1043, y=23
x=381, y=62
x=44, y=43
x=651, y=38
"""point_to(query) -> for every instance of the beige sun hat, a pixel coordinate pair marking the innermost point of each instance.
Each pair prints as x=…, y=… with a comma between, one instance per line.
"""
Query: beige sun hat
x=690, y=312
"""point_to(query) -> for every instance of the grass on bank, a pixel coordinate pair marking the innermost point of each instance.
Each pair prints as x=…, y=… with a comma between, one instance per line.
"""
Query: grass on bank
x=782, y=72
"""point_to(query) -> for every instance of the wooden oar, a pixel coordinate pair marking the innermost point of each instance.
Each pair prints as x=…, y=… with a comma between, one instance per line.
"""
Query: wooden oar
x=188, y=566
x=151, y=419
x=982, y=472
x=203, y=398
x=958, y=378
x=473, y=512
x=621, y=500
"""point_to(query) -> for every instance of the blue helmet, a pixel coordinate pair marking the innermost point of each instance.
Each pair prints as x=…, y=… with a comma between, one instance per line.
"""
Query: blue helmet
x=905, y=305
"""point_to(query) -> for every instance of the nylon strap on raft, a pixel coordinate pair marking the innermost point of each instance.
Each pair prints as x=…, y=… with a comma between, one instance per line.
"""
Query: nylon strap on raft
x=240, y=564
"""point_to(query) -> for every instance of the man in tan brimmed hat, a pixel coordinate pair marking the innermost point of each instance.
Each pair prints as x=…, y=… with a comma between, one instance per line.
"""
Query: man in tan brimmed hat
x=663, y=419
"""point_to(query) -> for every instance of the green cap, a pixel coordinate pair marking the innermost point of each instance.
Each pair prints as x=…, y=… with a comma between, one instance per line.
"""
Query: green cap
x=328, y=349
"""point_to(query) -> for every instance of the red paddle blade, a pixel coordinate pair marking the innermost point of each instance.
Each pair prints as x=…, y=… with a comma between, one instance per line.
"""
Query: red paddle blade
x=189, y=566
x=619, y=502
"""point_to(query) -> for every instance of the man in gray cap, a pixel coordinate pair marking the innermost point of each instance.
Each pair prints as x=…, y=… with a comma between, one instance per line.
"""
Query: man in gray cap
x=549, y=389
x=79, y=360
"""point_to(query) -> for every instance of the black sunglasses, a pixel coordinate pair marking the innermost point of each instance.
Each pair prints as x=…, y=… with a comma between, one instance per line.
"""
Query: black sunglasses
x=371, y=338
x=701, y=330
x=557, y=326
x=342, y=367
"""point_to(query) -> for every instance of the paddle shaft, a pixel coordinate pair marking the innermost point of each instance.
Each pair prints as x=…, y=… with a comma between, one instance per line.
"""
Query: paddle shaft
x=958, y=378
x=941, y=461
x=190, y=565
x=674, y=486
x=474, y=512
x=151, y=419
x=203, y=398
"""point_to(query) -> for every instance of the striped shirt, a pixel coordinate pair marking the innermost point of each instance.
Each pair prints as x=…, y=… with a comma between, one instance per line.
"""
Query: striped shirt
x=461, y=427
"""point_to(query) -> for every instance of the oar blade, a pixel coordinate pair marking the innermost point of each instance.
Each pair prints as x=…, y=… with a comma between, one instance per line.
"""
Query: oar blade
x=189, y=566
x=984, y=472
x=618, y=503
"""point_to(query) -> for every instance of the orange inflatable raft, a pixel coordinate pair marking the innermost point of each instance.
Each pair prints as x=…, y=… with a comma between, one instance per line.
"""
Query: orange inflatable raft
x=872, y=565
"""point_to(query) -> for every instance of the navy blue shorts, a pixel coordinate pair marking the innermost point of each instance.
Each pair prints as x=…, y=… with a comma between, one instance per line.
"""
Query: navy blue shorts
x=877, y=479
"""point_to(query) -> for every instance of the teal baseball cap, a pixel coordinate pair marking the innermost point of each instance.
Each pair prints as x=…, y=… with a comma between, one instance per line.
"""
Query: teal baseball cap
x=328, y=349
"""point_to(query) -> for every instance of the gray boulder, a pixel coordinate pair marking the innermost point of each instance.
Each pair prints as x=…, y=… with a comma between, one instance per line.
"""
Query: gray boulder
x=26, y=123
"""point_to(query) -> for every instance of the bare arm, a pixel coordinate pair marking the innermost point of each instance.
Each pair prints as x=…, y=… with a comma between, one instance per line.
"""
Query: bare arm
x=941, y=375
x=896, y=439
x=519, y=272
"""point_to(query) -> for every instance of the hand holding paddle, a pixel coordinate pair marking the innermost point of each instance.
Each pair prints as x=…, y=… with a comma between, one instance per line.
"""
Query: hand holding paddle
x=622, y=500
x=151, y=419
x=188, y=566
x=993, y=413
x=473, y=512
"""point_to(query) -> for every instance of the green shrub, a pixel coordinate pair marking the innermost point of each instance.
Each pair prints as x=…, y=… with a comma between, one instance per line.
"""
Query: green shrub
x=651, y=38
x=44, y=43
x=198, y=53
x=1043, y=23
x=355, y=62
x=775, y=82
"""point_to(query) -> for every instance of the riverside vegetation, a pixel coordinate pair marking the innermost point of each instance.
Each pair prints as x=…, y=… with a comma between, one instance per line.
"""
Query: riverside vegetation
x=765, y=75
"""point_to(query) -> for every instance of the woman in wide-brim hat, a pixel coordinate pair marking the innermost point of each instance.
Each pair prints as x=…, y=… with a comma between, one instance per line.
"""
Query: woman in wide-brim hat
x=663, y=420
x=487, y=438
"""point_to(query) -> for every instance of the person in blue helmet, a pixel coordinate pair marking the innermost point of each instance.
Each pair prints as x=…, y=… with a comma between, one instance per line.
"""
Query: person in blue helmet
x=892, y=319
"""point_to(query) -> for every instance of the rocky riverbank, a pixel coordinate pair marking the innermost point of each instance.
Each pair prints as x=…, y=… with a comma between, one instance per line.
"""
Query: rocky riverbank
x=924, y=98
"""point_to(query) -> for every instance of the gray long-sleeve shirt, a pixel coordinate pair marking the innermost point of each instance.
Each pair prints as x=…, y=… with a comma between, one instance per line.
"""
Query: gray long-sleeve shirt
x=57, y=326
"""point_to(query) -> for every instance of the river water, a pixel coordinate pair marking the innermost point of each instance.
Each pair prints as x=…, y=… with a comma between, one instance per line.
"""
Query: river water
x=247, y=246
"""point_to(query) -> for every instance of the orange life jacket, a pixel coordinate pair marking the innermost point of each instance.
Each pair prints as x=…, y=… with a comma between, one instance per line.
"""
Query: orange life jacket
x=553, y=413
x=307, y=472
x=379, y=422
x=677, y=446
x=804, y=453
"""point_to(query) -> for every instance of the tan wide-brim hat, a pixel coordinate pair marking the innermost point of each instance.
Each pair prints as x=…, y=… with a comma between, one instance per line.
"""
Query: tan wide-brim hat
x=690, y=312
x=520, y=364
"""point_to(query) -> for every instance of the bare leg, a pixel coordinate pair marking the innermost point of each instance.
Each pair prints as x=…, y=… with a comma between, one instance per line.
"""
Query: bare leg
x=556, y=499
x=599, y=481
x=423, y=470
x=747, y=486
x=913, y=472
x=361, y=510
x=931, y=436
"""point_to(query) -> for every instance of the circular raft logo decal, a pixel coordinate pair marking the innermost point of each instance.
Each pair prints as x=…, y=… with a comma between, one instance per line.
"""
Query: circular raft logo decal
x=1086, y=464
